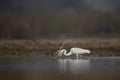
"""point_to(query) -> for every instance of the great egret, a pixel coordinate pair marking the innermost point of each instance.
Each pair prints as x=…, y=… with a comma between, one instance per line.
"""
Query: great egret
x=74, y=50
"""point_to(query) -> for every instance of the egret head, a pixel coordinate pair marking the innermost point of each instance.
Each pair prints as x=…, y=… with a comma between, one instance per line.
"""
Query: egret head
x=61, y=52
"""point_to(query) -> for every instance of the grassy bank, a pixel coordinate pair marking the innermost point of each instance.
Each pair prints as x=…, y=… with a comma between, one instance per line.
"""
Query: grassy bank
x=103, y=47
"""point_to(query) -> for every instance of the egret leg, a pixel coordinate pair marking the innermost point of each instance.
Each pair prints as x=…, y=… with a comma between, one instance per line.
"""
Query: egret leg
x=77, y=56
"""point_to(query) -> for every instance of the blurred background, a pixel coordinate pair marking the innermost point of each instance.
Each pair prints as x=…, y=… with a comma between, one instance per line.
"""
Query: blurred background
x=53, y=19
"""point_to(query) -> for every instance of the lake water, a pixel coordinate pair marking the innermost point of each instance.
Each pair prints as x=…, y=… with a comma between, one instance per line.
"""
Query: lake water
x=50, y=68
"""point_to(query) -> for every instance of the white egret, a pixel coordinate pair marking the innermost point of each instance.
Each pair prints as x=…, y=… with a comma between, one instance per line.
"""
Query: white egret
x=75, y=50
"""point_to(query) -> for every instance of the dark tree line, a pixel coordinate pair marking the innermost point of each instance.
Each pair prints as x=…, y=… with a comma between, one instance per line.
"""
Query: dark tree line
x=59, y=25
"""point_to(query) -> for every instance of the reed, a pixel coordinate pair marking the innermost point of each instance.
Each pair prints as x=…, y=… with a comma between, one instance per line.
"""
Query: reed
x=103, y=47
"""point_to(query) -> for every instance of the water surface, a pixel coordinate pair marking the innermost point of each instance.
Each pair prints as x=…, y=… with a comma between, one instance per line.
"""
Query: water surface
x=50, y=68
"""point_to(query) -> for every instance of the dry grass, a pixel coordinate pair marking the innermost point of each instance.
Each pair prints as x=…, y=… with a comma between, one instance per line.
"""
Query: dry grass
x=98, y=47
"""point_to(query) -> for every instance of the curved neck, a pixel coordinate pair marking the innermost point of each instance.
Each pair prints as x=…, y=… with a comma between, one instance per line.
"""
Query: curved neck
x=67, y=54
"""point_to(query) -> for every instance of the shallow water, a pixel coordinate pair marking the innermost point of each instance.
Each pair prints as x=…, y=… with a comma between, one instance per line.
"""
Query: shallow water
x=50, y=68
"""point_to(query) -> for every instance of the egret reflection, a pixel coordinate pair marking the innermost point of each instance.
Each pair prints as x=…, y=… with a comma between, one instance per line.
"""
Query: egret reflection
x=74, y=65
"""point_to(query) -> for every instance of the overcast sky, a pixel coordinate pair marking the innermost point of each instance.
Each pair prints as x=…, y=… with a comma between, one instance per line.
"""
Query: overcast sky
x=59, y=5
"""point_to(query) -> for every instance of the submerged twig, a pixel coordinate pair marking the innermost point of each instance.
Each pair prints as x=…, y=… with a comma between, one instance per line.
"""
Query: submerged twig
x=63, y=44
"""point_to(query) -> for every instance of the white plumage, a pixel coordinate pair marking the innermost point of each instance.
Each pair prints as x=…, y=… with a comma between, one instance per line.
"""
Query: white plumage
x=76, y=51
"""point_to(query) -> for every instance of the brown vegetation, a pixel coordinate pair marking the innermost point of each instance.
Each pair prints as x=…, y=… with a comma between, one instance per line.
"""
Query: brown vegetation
x=105, y=47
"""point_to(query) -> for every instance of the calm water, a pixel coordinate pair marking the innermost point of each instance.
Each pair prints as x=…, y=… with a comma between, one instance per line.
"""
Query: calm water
x=50, y=68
